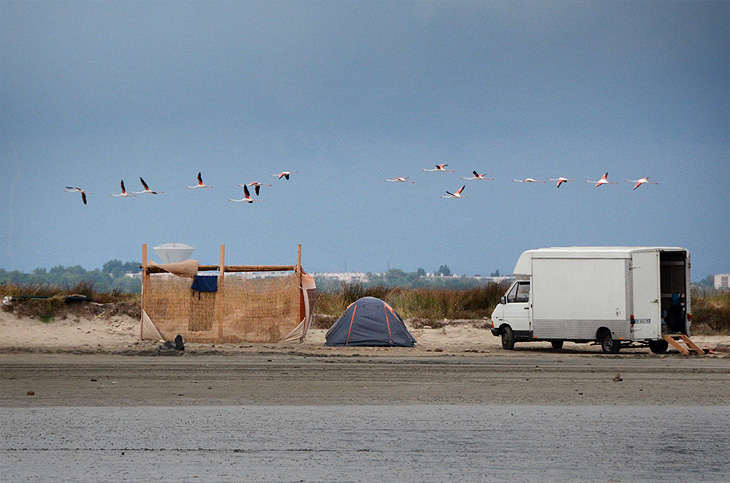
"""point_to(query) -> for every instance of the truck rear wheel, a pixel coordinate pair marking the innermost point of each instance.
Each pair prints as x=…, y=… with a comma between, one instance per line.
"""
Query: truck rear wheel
x=658, y=346
x=609, y=345
x=557, y=344
x=508, y=338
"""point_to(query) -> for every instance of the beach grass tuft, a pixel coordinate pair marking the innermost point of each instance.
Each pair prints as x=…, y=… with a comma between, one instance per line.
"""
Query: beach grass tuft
x=47, y=302
x=710, y=312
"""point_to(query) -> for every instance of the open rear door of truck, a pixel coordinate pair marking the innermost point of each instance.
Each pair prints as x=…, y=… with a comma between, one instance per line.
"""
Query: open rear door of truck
x=646, y=296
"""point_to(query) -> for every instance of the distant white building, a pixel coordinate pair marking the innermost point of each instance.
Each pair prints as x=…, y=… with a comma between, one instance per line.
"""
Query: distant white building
x=479, y=278
x=362, y=277
x=346, y=277
x=722, y=281
x=254, y=275
x=500, y=279
x=433, y=275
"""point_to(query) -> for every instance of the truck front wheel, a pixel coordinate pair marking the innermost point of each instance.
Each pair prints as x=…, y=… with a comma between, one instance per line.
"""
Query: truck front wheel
x=557, y=344
x=609, y=345
x=508, y=338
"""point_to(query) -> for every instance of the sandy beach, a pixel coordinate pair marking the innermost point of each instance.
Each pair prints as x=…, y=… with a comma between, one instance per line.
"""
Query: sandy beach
x=120, y=335
x=85, y=398
x=98, y=361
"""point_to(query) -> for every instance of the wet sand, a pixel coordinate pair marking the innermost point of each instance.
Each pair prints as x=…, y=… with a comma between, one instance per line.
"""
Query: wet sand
x=521, y=377
x=365, y=443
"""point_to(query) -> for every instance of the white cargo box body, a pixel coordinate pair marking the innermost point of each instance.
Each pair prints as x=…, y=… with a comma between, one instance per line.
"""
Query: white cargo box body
x=571, y=296
x=576, y=291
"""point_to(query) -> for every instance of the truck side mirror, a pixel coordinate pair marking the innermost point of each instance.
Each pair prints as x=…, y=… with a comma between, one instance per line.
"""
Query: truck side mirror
x=503, y=300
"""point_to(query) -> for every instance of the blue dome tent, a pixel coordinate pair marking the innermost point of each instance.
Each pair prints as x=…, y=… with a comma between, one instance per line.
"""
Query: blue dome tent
x=369, y=322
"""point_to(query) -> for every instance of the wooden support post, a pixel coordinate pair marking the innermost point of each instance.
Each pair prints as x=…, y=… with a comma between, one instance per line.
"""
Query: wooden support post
x=222, y=266
x=302, y=308
x=145, y=282
x=221, y=294
x=299, y=262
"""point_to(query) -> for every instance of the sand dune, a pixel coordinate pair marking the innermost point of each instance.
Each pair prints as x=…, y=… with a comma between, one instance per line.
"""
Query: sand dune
x=121, y=334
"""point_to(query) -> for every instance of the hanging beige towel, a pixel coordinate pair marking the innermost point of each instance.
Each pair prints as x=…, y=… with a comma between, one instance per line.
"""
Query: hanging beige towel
x=187, y=268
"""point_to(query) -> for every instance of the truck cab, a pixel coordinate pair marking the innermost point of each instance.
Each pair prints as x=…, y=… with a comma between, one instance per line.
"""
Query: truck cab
x=512, y=317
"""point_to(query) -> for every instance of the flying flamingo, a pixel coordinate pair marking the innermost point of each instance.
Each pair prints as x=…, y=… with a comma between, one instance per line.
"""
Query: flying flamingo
x=440, y=168
x=641, y=181
x=527, y=180
x=285, y=174
x=200, y=183
x=603, y=180
x=73, y=189
x=560, y=180
x=478, y=176
x=257, y=186
x=247, y=196
x=455, y=195
x=400, y=180
x=123, y=194
x=146, y=189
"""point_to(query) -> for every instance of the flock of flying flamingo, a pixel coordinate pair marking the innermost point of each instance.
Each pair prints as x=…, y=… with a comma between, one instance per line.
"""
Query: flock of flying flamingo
x=124, y=194
x=441, y=168
x=285, y=174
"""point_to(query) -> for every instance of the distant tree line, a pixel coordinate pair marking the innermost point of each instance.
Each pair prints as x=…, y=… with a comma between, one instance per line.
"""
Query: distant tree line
x=395, y=277
x=707, y=282
x=111, y=277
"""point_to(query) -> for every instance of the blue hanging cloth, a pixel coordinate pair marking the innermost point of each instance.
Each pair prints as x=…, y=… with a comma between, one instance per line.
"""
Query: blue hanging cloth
x=202, y=283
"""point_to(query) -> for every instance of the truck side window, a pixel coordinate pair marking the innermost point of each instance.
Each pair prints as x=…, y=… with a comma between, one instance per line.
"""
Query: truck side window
x=520, y=293
x=523, y=292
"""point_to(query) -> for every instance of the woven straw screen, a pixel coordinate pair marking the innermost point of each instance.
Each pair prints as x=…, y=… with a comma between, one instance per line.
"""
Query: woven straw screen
x=242, y=310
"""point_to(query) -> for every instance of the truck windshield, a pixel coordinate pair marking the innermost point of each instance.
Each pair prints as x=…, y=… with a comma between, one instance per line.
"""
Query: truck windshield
x=520, y=293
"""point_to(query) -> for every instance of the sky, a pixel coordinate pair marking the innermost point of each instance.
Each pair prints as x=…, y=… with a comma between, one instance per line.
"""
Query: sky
x=349, y=93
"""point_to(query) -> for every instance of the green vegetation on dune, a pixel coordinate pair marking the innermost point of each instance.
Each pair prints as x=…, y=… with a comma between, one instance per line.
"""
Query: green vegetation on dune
x=47, y=302
x=46, y=294
x=431, y=304
x=710, y=312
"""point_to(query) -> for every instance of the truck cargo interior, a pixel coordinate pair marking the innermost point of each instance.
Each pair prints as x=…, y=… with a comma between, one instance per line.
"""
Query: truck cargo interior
x=673, y=287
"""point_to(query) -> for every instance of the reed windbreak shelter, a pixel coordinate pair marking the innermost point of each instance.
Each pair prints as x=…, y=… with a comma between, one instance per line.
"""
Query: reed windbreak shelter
x=225, y=303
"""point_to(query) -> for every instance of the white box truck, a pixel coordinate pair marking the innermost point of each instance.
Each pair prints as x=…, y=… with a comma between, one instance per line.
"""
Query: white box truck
x=610, y=295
